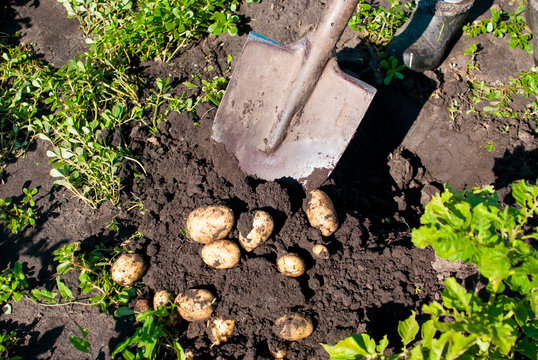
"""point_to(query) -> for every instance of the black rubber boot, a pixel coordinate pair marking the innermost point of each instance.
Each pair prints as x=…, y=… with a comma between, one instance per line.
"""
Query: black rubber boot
x=421, y=44
x=532, y=20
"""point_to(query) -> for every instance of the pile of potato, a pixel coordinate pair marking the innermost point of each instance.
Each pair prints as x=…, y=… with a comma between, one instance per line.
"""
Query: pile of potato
x=211, y=226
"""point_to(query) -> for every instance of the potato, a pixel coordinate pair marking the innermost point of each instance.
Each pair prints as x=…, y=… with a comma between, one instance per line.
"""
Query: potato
x=291, y=265
x=161, y=298
x=260, y=230
x=320, y=213
x=210, y=223
x=127, y=269
x=321, y=251
x=220, y=330
x=196, y=304
x=278, y=350
x=221, y=254
x=292, y=327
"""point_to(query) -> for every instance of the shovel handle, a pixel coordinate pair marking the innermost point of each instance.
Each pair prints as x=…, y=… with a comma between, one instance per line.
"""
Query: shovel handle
x=317, y=50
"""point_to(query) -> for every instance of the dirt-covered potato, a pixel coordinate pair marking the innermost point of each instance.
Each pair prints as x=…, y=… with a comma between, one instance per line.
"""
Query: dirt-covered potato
x=221, y=254
x=161, y=298
x=220, y=330
x=291, y=265
x=196, y=304
x=210, y=223
x=321, y=251
x=127, y=269
x=294, y=326
x=277, y=349
x=259, y=230
x=320, y=212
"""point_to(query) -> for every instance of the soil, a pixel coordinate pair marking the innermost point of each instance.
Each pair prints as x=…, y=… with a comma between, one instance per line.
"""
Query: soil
x=405, y=149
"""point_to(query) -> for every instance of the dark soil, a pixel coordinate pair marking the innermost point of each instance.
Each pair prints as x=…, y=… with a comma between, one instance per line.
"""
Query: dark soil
x=405, y=149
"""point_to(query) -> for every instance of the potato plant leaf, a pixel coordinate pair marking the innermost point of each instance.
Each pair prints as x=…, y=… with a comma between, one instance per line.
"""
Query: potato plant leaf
x=408, y=329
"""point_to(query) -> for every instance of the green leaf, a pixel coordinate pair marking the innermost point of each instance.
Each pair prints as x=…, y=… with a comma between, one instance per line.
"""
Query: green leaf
x=45, y=295
x=123, y=311
x=65, y=292
x=80, y=344
x=350, y=347
x=408, y=329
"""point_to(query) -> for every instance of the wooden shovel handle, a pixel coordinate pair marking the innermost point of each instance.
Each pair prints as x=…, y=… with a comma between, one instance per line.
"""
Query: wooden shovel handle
x=318, y=48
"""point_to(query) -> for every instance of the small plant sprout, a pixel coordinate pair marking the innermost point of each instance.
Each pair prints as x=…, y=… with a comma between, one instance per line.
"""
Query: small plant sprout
x=81, y=343
x=490, y=147
x=393, y=69
x=17, y=216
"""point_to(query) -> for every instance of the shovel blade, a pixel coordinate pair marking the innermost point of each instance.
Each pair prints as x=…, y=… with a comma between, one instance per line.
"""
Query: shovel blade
x=318, y=134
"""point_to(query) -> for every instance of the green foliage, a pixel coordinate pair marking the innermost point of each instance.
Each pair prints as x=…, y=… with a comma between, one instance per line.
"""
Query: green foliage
x=472, y=227
x=500, y=96
x=376, y=24
x=17, y=216
x=155, y=338
x=501, y=24
x=153, y=29
x=392, y=69
x=13, y=284
x=94, y=276
x=8, y=341
x=81, y=343
x=87, y=98
x=22, y=81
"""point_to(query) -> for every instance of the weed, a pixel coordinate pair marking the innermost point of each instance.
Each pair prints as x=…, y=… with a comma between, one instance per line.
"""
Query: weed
x=81, y=343
x=94, y=268
x=155, y=338
x=22, y=80
x=501, y=24
x=490, y=147
x=376, y=24
x=17, y=216
x=392, y=69
x=8, y=341
x=472, y=227
x=472, y=52
x=88, y=97
x=499, y=97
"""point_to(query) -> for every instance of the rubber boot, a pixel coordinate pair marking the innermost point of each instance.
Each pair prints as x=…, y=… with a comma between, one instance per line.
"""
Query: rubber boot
x=422, y=43
x=532, y=20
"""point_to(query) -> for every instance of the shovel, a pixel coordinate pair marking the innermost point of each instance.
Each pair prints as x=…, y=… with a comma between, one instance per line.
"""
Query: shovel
x=289, y=111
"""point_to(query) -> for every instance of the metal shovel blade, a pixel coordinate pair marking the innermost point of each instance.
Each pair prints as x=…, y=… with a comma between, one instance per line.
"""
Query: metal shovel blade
x=317, y=135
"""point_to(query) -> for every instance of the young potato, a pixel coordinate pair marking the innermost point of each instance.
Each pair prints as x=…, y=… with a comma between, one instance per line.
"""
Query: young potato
x=196, y=304
x=220, y=330
x=320, y=212
x=321, y=251
x=260, y=229
x=291, y=265
x=293, y=327
x=161, y=298
x=210, y=223
x=127, y=269
x=221, y=254
x=278, y=350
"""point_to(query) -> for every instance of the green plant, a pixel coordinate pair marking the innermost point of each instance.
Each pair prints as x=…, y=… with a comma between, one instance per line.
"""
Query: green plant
x=81, y=343
x=490, y=146
x=8, y=341
x=94, y=275
x=376, y=24
x=88, y=97
x=502, y=23
x=13, y=285
x=499, y=97
x=472, y=52
x=392, y=69
x=22, y=80
x=17, y=216
x=472, y=227
x=156, y=338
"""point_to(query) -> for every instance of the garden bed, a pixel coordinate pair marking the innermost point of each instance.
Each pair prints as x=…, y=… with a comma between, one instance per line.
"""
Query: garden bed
x=408, y=145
